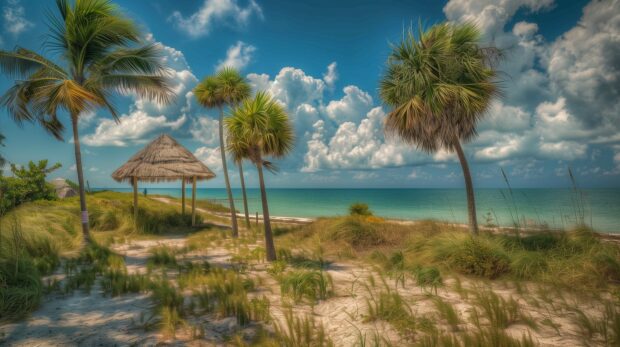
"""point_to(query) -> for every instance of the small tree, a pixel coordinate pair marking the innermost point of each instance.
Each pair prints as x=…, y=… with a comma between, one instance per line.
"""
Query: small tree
x=27, y=184
x=359, y=209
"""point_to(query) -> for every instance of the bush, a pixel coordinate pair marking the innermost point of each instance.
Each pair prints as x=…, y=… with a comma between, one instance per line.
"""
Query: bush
x=359, y=209
x=357, y=232
x=475, y=256
x=28, y=184
x=20, y=287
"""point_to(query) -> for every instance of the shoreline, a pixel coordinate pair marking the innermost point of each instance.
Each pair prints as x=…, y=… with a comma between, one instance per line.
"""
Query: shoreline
x=610, y=236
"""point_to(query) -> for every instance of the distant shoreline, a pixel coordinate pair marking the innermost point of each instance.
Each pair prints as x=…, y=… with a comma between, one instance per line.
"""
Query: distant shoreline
x=529, y=208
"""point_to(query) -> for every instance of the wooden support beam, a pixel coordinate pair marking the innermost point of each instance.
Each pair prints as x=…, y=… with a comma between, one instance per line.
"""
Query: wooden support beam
x=194, y=201
x=183, y=196
x=135, y=199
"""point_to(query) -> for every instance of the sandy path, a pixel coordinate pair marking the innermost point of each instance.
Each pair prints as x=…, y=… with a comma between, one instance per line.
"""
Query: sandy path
x=82, y=320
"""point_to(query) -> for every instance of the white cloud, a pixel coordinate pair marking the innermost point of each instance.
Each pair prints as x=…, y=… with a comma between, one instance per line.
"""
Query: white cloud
x=201, y=22
x=352, y=107
x=211, y=157
x=15, y=21
x=583, y=67
x=206, y=130
x=355, y=146
x=331, y=76
x=132, y=129
x=293, y=87
x=490, y=15
x=146, y=117
x=365, y=175
x=238, y=56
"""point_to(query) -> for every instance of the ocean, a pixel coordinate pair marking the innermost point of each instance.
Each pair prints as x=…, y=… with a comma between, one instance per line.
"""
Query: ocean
x=558, y=208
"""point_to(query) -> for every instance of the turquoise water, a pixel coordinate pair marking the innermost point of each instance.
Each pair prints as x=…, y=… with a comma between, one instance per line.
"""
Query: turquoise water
x=556, y=207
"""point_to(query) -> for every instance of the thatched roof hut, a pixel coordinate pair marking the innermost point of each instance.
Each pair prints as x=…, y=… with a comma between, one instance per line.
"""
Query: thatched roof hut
x=63, y=188
x=164, y=159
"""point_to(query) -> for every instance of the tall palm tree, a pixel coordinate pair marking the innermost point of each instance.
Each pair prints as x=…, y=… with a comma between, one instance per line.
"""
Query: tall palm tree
x=2, y=160
x=97, y=56
x=226, y=88
x=258, y=128
x=239, y=162
x=438, y=87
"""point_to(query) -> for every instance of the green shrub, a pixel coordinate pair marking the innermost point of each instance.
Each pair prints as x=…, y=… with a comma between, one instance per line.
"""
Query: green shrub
x=27, y=184
x=359, y=209
x=162, y=256
x=428, y=277
x=474, y=256
x=356, y=232
x=527, y=265
x=20, y=287
x=541, y=241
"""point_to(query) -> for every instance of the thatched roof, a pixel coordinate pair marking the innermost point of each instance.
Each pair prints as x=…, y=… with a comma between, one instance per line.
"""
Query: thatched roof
x=164, y=159
x=63, y=188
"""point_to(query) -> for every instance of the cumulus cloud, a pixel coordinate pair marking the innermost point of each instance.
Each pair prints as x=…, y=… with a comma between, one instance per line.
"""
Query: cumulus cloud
x=132, y=129
x=563, y=95
x=357, y=146
x=211, y=157
x=14, y=16
x=352, y=107
x=238, y=56
x=146, y=117
x=491, y=16
x=331, y=76
x=206, y=130
x=583, y=66
x=228, y=12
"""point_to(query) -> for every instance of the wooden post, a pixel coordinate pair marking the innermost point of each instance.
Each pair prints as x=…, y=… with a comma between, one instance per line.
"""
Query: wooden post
x=183, y=196
x=135, y=198
x=194, y=201
x=256, y=218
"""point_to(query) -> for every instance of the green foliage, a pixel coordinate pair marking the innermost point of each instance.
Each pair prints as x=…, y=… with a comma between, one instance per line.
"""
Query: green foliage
x=389, y=306
x=118, y=281
x=162, y=256
x=300, y=331
x=225, y=293
x=499, y=312
x=438, y=69
x=27, y=184
x=359, y=209
x=447, y=311
x=312, y=285
x=20, y=287
x=428, y=277
x=474, y=256
x=356, y=231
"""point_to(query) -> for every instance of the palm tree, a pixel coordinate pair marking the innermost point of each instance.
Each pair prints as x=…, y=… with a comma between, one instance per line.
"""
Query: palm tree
x=259, y=127
x=438, y=87
x=2, y=161
x=226, y=88
x=93, y=41
x=238, y=157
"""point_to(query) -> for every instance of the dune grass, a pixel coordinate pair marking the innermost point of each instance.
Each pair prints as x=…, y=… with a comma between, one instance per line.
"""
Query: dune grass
x=576, y=259
x=36, y=237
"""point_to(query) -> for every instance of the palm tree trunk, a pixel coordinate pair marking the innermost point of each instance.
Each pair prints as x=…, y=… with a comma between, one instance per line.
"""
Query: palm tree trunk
x=231, y=202
x=245, y=197
x=78, y=165
x=469, y=187
x=269, y=246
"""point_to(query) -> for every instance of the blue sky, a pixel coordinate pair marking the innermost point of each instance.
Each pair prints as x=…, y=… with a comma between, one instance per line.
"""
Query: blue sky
x=323, y=61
